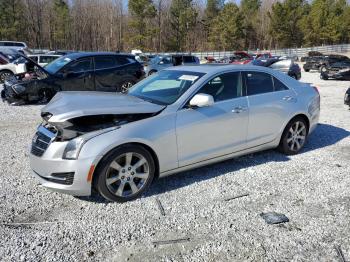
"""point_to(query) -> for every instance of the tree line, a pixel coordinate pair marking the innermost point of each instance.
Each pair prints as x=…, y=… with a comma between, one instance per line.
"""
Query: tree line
x=174, y=25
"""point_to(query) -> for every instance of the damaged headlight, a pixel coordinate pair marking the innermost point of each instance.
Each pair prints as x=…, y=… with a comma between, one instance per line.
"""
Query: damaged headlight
x=18, y=88
x=74, y=146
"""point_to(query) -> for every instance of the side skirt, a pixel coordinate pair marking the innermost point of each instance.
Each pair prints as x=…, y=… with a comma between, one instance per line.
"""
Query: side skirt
x=263, y=147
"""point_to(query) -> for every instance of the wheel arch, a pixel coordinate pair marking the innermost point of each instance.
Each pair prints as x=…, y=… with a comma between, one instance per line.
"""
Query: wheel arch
x=145, y=146
x=302, y=115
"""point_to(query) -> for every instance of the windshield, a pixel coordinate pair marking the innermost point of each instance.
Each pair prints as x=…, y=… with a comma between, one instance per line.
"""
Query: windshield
x=165, y=87
x=57, y=64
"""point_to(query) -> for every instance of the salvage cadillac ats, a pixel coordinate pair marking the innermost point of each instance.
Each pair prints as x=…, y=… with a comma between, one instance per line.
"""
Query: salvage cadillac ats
x=178, y=119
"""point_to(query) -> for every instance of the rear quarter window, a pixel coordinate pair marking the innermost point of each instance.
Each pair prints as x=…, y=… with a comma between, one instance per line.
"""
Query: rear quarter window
x=104, y=62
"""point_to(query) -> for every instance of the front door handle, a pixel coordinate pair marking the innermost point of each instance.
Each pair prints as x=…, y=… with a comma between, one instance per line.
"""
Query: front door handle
x=288, y=98
x=239, y=109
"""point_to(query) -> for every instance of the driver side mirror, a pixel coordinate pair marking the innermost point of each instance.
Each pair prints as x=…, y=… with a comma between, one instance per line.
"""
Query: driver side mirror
x=202, y=100
x=161, y=62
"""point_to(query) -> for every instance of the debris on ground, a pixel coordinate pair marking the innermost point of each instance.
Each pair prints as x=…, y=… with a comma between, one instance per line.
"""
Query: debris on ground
x=160, y=207
x=235, y=197
x=274, y=218
x=172, y=241
x=339, y=253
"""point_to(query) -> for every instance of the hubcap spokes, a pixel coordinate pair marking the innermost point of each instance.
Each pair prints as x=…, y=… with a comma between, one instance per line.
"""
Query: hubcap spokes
x=127, y=174
x=296, y=136
x=126, y=86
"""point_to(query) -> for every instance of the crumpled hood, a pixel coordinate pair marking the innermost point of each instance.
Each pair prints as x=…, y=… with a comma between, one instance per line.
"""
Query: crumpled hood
x=67, y=105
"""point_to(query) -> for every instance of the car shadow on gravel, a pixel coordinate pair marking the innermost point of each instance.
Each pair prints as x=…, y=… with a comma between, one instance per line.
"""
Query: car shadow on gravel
x=323, y=136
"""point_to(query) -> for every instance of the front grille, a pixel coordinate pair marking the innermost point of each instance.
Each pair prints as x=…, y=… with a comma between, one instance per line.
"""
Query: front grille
x=41, y=141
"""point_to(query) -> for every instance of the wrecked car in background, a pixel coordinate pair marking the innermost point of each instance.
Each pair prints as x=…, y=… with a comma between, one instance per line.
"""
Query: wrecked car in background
x=338, y=71
x=178, y=119
x=319, y=62
x=84, y=71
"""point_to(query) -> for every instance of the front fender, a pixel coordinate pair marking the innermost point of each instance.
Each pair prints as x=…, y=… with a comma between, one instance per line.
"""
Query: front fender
x=157, y=132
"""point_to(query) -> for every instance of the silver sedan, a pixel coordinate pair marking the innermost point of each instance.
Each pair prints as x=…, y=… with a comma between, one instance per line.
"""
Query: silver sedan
x=178, y=119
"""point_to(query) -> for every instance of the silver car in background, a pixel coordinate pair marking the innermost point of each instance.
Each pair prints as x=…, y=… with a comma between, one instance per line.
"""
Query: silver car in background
x=161, y=62
x=178, y=119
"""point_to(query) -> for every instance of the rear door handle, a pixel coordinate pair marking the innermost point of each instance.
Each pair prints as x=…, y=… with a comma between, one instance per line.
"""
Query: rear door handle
x=239, y=109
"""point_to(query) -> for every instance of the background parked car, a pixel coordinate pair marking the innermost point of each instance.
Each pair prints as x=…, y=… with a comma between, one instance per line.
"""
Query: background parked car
x=85, y=71
x=161, y=62
x=287, y=66
x=43, y=59
x=347, y=98
x=318, y=62
x=18, y=46
x=240, y=58
x=10, y=65
x=338, y=70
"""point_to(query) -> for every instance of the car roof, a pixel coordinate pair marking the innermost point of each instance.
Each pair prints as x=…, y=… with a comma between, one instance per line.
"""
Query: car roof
x=215, y=68
x=88, y=54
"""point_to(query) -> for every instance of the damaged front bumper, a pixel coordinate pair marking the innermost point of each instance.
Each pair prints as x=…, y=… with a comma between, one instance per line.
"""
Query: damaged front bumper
x=10, y=95
x=335, y=75
x=62, y=175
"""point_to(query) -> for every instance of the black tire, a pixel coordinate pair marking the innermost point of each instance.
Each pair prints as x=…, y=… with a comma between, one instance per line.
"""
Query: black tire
x=4, y=74
x=288, y=138
x=45, y=95
x=322, y=68
x=152, y=72
x=323, y=77
x=306, y=70
x=104, y=171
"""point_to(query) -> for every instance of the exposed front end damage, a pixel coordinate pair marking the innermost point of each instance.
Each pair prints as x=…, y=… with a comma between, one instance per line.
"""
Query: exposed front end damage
x=55, y=156
x=24, y=87
x=82, y=125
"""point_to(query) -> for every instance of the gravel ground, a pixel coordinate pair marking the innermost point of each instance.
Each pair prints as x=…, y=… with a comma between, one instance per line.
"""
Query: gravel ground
x=311, y=189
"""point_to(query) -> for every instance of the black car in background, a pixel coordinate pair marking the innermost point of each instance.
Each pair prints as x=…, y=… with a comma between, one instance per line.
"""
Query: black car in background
x=84, y=71
x=339, y=71
x=318, y=62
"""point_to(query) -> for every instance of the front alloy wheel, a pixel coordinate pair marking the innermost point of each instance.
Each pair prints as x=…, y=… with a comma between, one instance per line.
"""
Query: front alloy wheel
x=294, y=136
x=125, y=173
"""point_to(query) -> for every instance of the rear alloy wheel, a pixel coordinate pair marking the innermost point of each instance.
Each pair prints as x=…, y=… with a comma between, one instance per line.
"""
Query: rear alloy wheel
x=294, y=136
x=125, y=173
x=125, y=86
x=4, y=75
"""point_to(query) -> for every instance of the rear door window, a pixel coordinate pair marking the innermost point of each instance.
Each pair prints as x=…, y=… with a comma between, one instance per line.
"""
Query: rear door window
x=258, y=83
x=105, y=62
